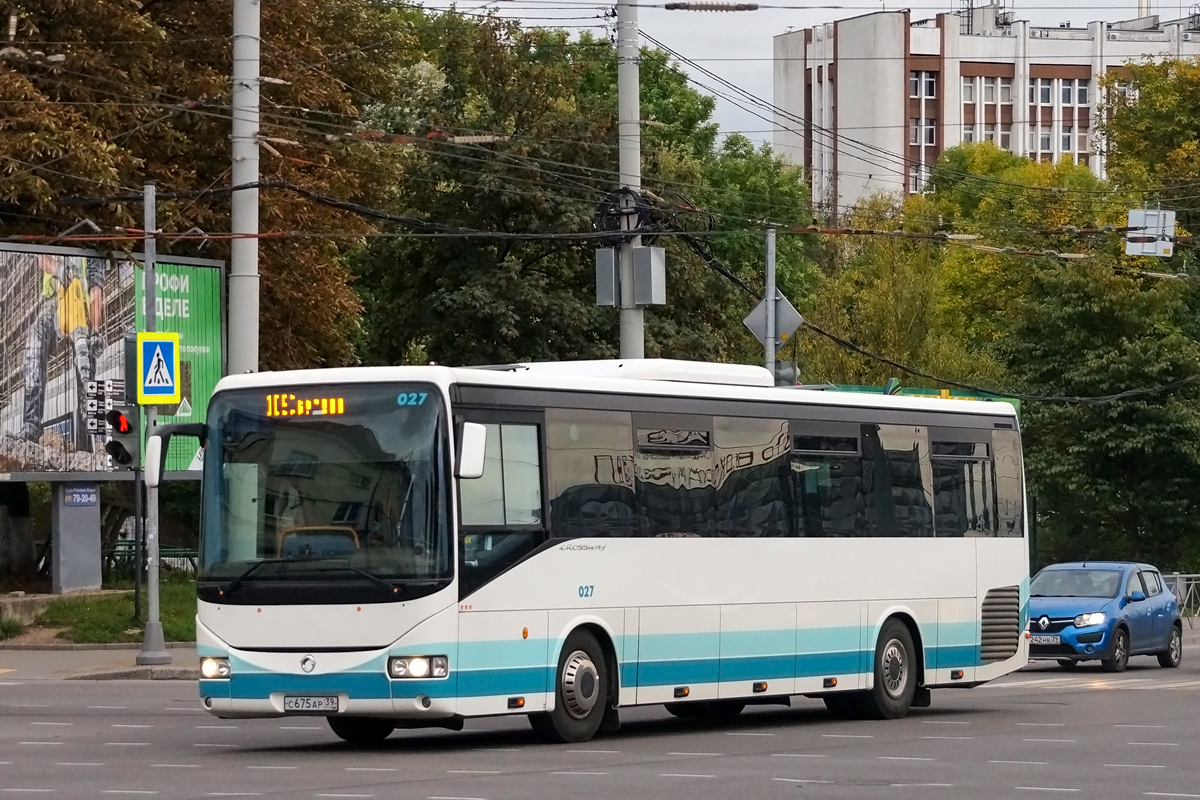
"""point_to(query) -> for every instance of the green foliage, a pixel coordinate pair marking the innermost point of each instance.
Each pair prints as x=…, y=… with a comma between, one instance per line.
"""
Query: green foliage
x=10, y=629
x=109, y=619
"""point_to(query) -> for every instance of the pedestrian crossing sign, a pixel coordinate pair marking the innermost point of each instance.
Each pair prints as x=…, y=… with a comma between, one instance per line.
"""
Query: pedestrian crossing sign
x=158, y=369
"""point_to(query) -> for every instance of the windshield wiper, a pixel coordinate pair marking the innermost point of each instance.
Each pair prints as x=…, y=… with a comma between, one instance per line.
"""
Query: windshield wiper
x=233, y=585
x=375, y=579
x=379, y=582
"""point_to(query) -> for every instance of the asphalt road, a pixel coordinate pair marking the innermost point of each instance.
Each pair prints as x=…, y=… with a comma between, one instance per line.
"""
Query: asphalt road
x=1041, y=732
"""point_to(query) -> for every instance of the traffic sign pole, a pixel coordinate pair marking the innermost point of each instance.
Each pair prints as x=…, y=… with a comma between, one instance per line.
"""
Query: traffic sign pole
x=772, y=337
x=154, y=645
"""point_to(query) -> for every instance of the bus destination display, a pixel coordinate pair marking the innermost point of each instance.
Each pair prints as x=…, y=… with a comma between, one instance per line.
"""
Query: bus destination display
x=288, y=405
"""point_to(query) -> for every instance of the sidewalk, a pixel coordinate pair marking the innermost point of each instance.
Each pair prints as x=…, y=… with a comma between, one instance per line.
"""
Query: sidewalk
x=65, y=663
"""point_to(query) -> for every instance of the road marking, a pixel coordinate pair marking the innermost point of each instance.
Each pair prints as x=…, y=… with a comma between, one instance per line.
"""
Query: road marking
x=909, y=785
x=29, y=705
x=1044, y=789
x=578, y=773
x=301, y=728
x=472, y=772
x=1052, y=741
x=107, y=708
x=209, y=744
x=37, y=791
x=132, y=726
x=683, y=775
x=1130, y=725
x=370, y=769
x=1023, y=763
x=177, y=766
x=54, y=724
x=799, y=780
x=1168, y=794
x=696, y=754
x=598, y=752
x=198, y=711
x=956, y=738
x=1137, y=766
x=1032, y=682
x=902, y=758
x=233, y=794
x=345, y=795
x=748, y=733
x=513, y=750
x=127, y=744
x=943, y=722
x=269, y=766
x=129, y=791
x=799, y=755
x=1041, y=724
x=440, y=797
x=80, y=764
x=49, y=743
x=1153, y=744
x=216, y=727
x=847, y=736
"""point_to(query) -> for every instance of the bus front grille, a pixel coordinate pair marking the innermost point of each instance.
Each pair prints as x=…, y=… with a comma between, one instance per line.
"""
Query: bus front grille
x=1001, y=624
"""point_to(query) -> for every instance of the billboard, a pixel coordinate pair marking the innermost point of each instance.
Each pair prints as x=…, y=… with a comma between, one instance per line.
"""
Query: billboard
x=65, y=314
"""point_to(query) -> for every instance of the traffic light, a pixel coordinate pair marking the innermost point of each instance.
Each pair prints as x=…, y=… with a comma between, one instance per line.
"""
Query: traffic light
x=125, y=444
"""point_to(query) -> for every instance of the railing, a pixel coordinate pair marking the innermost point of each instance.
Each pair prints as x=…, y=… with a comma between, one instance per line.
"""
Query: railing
x=1186, y=589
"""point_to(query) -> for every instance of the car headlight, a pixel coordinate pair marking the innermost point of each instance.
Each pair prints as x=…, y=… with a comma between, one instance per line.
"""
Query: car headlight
x=1088, y=620
x=419, y=667
x=214, y=667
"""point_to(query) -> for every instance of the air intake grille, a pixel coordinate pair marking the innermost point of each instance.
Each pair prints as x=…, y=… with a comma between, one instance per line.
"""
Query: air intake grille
x=1001, y=623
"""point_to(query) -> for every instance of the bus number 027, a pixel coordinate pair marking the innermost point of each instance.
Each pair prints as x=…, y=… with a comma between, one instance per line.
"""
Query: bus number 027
x=586, y=591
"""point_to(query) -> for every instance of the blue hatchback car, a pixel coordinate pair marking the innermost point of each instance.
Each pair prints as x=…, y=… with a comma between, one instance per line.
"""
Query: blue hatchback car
x=1103, y=610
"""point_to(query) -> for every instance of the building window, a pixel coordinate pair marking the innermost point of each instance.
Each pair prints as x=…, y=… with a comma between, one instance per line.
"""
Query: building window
x=922, y=84
x=989, y=90
x=968, y=90
x=1081, y=93
x=914, y=84
x=930, y=131
x=1067, y=138
x=1044, y=141
x=1083, y=142
x=914, y=131
x=1068, y=92
x=969, y=134
x=1006, y=137
x=1032, y=139
x=1032, y=91
x=989, y=133
x=916, y=179
x=931, y=84
x=1006, y=90
x=1044, y=89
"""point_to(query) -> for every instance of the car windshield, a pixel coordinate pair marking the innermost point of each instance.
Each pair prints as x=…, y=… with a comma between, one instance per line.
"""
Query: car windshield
x=326, y=483
x=1076, y=583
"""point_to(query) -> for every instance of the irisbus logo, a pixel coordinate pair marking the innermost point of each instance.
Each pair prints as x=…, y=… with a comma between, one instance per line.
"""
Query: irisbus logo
x=584, y=548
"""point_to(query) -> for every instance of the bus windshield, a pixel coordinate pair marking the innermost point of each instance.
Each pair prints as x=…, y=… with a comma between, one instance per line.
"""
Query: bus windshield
x=325, y=485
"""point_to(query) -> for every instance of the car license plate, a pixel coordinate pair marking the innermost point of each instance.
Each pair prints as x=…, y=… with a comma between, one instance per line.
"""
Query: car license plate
x=311, y=705
x=1045, y=639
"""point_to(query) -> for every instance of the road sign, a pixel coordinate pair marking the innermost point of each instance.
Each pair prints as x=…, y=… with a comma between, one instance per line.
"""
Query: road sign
x=158, y=368
x=787, y=320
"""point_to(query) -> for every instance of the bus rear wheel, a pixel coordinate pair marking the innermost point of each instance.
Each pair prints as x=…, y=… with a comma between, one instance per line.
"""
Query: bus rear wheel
x=362, y=731
x=895, y=674
x=580, y=692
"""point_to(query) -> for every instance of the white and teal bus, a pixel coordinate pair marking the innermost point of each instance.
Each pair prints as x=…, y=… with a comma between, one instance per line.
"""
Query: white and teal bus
x=413, y=546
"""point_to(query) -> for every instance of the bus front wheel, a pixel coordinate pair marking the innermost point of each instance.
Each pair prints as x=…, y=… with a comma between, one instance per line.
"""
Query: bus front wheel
x=895, y=674
x=580, y=692
x=363, y=731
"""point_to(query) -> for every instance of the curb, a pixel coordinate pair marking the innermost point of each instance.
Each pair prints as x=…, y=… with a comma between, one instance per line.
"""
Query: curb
x=69, y=646
x=140, y=674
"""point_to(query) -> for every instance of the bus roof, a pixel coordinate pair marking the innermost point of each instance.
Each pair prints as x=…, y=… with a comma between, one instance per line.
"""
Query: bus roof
x=661, y=377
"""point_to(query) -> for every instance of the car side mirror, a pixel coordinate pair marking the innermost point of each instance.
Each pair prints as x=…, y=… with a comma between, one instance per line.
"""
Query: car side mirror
x=1136, y=597
x=472, y=445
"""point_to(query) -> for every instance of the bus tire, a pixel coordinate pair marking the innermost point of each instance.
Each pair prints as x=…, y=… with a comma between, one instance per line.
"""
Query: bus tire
x=712, y=710
x=362, y=731
x=580, y=692
x=895, y=674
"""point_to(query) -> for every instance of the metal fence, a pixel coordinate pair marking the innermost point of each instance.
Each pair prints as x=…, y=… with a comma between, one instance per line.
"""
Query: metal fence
x=1186, y=589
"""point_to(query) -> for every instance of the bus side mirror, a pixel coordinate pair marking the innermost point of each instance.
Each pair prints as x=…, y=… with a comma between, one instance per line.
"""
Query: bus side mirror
x=157, y=443
x=472, y=444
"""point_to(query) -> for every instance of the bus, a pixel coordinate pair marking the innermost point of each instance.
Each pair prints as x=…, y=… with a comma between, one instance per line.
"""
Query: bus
x=405, y=547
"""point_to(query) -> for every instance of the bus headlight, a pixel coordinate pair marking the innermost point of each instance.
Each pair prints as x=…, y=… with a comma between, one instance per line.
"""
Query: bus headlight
x=214, y=667
x=419, y=667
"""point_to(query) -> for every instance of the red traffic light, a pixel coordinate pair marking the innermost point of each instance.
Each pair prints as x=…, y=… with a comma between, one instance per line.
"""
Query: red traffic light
x=119, y=422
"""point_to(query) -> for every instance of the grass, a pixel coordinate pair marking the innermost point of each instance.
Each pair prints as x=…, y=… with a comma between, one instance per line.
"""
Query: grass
x=10, y=629
x=106, y=620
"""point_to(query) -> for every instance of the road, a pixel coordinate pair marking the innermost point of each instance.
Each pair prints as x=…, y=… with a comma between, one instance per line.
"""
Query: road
x=1041, y=732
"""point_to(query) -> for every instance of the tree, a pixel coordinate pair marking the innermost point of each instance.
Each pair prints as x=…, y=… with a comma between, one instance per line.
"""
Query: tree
x=552, y=102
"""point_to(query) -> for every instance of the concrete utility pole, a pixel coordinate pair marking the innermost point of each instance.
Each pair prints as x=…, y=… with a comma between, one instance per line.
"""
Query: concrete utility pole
x=629, y=136
x=154, y=645
x=770, y=295
x=243, y=268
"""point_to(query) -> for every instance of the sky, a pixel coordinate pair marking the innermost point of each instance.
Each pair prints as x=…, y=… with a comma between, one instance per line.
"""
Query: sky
x=737, y=45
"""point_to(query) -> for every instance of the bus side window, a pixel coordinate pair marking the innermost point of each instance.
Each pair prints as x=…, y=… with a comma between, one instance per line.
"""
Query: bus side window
x=589, y=461
x=1010, y=493
x=898, y=481
x=827, y=483
x=751, y=477
x=964, y=486
x=501, y=511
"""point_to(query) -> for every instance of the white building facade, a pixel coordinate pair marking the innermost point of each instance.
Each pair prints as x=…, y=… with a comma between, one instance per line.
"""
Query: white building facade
x=868, y=104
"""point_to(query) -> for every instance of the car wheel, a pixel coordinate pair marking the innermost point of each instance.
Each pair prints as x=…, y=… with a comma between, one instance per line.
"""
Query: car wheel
x=580, y=692
x=842, y=705
x=1170, y=658
x=362, y=731
x=895, y=675
x=1120, y=652
x=1068, y=663
x=714, y=710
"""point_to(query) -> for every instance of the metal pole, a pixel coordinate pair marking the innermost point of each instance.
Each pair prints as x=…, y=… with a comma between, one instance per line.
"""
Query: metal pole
x=772, y=334
x=243, y=269
x=629, y=135
x=154, y=646
x=138, y=541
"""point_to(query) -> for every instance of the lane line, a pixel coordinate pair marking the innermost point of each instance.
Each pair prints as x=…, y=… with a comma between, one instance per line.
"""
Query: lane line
x=54, y=724
x=578, y=773
x=902, y=758
x=107, y=708
x=799, y=755
x=443, y=797
x=1044, y=789
x=799, y=780
x=129, y=791
x=301, y=728
x=132, y=726
x=208, y=744
x=597, y=752
x=714, y=755
x=127, y=744
x=747, y=733
x=1137, y=766
x=910, y=785
x=176, y=766
x=233, y=794
x=682, y=775
x=80, y=764
x=28, y=791
x=943, y=722
x=1041, y=724
x=1131, y=725
x=1153, y=744
x=1052, y=741
x=269, y=766
x=847, y=736
x=472, y=772
x=216, y=727
x=28, y=705
x=192, y=710
x=47, y=743
x=1168, y=794
x=345, y=795
x=1022, y=763
x=371, y=769
x=955, y=738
